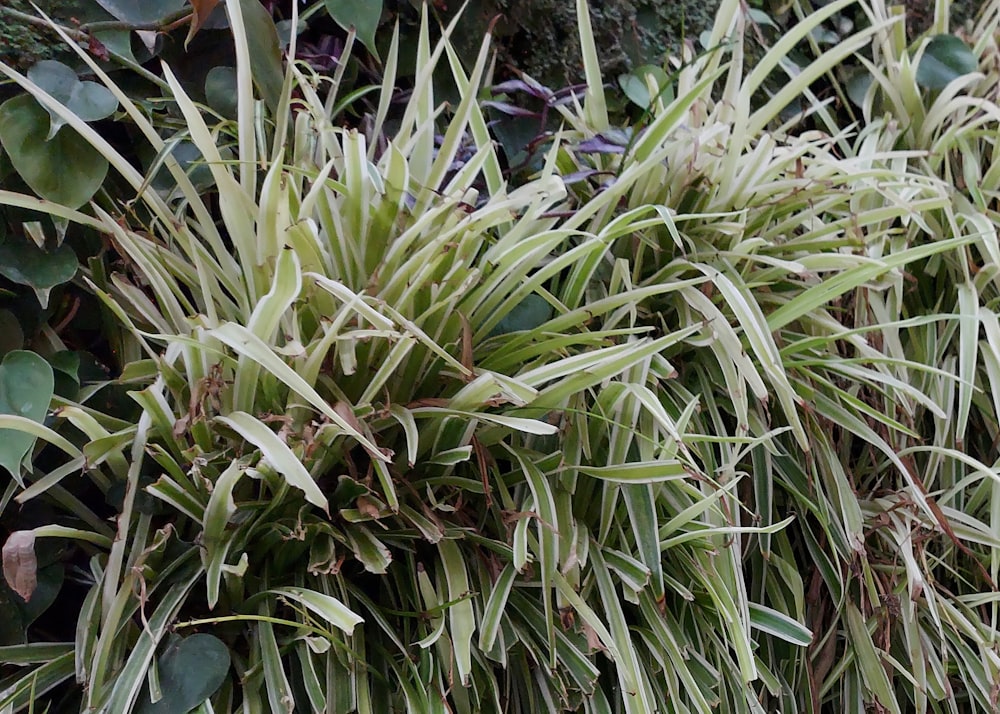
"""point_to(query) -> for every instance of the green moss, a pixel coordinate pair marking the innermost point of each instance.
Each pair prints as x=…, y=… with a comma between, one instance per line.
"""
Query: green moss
x=541, y=37
x=22, y=43
x=920, y=14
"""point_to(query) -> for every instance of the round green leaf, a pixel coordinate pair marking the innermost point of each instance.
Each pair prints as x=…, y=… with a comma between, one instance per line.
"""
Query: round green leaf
x=26, y=385
x=92, y=101
x=66, y=169
x=635, y=86
x=24, y=263
x=88, y=100
x=191, y=670
x=946, y=58
x=55, y=78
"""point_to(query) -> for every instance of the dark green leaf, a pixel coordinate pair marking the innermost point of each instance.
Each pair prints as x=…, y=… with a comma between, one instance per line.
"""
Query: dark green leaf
x=265, y=51
x=526, y=315
x=66, y=368
x=191, y=670
x=190, y=159
x=362, y=15
x=26, y=385
x=347, y=491
x=140, y=12
x=66, y=169
x=67, y=362
x=220, y=90
x=5, y=169
x=49, y=583
x=13, y=631
x=11, y=334
x=24, y=263
x=119, y=42
x=857, y=87
x=946, y=58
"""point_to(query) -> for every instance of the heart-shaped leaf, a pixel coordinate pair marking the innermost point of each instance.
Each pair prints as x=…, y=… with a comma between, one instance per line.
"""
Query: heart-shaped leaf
x=26, y=386
x=945, y=58
x=25, y=263
x=66, y=169
x=191, y=670
x=88, y=100
x=636, y=85
x=362, y=15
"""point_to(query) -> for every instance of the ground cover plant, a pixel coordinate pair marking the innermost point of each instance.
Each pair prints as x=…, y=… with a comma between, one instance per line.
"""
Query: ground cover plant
x=697, y=416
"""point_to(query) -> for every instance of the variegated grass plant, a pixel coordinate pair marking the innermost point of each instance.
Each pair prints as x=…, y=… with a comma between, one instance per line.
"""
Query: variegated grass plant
x=930, y=564
x=423, y=441
x=851, y=299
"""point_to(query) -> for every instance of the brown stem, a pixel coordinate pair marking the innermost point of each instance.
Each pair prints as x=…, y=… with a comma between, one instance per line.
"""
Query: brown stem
x=39, y=22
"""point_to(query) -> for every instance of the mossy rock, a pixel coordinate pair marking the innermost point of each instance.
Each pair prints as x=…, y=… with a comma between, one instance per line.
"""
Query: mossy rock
x=541, y=37
x=23, y=43
x=920, y=14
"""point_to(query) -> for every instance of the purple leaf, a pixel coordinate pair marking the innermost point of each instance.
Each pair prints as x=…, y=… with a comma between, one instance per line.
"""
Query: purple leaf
x=510, y=109
x=600, y=145
x=566, y=95
x=578, y=176
x=518, y=85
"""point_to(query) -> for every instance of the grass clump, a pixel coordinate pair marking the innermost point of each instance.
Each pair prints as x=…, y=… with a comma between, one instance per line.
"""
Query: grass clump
x=690, y=420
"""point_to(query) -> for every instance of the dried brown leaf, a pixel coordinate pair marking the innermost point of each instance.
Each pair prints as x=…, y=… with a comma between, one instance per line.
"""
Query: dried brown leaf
x=202, y=9
x=20, y=567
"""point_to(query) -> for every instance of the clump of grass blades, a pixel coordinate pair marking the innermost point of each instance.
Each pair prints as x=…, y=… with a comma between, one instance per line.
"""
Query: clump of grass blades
x=443, y=442
x=812, y=247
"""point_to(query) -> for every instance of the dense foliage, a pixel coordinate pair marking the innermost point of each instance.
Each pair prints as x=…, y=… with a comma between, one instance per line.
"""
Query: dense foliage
x=326, y=397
